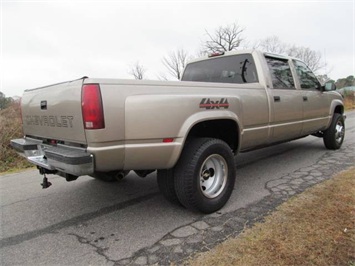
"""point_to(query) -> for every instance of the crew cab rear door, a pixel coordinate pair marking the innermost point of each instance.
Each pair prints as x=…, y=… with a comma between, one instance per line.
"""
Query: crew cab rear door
x=285, y=101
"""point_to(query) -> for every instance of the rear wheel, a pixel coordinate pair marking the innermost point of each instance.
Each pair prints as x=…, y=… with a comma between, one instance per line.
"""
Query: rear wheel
x=204, y=177
x=334, y=136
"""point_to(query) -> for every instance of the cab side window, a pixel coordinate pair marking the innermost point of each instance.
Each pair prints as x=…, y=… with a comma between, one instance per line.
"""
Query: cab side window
x=307, y=79
x=280, y=73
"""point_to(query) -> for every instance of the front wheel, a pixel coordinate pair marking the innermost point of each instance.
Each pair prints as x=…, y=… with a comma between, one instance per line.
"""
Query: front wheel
x=205, y=175
x=334, y=136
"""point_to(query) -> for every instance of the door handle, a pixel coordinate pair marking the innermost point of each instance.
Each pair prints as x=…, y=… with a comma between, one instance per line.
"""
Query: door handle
x=277, y=99
x=305, y=98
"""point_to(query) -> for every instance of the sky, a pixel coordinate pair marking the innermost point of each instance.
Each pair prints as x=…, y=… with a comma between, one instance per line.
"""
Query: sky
x=46, y=42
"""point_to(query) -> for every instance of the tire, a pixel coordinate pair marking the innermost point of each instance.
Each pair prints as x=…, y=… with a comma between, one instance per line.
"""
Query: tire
x=334, y=136
x=204, y=176
x=165, y=179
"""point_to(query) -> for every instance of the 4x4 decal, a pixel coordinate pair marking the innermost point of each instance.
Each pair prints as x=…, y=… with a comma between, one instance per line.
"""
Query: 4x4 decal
x=209, y=104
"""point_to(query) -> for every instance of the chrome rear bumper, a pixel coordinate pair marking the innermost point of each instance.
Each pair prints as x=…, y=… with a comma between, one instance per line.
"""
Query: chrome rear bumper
x=66, y=159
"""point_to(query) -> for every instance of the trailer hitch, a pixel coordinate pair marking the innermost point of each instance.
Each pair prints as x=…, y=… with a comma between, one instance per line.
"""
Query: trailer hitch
x=45, y=183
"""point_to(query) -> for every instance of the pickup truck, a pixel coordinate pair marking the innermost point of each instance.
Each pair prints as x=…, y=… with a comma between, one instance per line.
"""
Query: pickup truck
x=188, y=130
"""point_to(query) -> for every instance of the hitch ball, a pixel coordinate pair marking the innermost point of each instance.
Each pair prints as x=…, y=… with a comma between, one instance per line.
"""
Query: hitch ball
x=46, y=183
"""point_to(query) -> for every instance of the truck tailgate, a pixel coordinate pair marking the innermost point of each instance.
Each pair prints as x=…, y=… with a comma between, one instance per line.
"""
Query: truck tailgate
x=54, y=112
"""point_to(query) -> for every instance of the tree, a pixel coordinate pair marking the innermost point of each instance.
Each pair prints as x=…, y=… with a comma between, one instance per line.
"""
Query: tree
x=313, y=59
x=162, y=76
x=4, y=101
x=175, y=63
x=271, y=44
x=137, y=71
x=226, y=38
x=345, y=82
x=324, y=78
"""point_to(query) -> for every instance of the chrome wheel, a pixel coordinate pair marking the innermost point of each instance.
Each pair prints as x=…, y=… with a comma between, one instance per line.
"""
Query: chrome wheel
x=339, y=132
x=213, y=176
x=334, y=135
x=205, y=174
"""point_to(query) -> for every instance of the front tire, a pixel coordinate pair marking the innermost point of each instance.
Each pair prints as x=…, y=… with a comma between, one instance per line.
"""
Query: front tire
x=204, y=176
x=334, y=136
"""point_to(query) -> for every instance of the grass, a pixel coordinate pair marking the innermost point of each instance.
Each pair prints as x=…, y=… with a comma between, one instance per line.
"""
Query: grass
x=349, y=102
x=313, y=228
x=10, y=128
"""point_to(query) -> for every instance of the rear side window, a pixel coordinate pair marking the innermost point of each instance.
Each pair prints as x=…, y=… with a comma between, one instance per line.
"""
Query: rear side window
x=228, y=69
x=281, y=73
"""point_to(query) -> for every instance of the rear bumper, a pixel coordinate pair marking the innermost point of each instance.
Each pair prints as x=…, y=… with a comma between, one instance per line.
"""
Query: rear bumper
x=61, y=158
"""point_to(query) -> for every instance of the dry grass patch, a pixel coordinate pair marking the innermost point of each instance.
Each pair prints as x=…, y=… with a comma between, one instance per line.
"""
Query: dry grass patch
x=313, y=228
x=10, y=128
x=349, y=103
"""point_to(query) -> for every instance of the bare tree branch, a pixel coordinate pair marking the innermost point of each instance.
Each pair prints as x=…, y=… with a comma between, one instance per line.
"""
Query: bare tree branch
x=323, y=78
x=162, y=76
x=137, y=71
x=175, y=63
x=224, y=39
x=313, y=59
x=274, y=45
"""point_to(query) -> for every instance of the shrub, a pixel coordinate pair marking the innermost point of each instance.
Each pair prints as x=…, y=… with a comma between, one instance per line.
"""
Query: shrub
x=349, y=101
x=10, y=128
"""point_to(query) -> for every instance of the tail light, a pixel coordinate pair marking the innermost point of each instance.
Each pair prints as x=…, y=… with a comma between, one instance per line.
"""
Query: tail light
x=91, y=104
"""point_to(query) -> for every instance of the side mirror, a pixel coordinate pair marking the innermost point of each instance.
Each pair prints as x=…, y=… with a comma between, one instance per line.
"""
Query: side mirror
x=329, y=86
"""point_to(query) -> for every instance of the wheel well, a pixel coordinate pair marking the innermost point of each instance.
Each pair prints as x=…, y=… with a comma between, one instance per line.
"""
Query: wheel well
x=224, y=129
x=339, y=109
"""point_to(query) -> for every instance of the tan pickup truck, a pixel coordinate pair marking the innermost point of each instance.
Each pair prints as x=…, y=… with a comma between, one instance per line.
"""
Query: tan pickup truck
x=189, y=130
